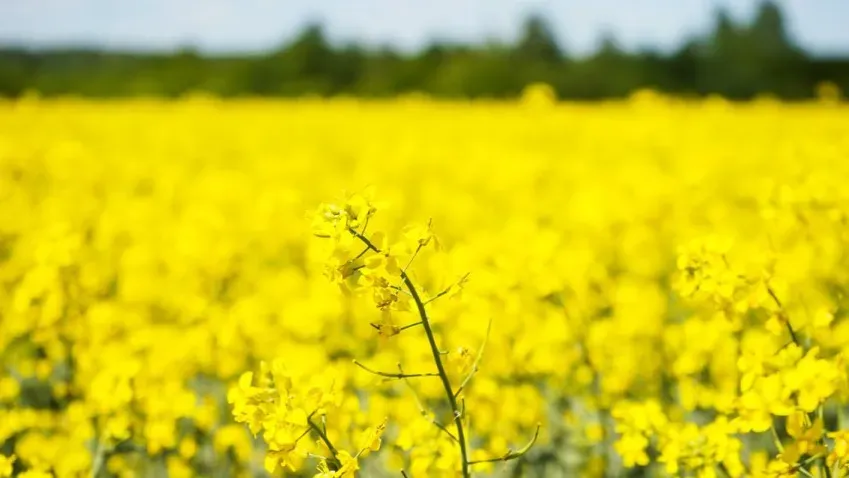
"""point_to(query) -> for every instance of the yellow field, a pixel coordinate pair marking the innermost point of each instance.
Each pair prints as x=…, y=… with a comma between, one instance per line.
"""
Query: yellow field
x=666, y=284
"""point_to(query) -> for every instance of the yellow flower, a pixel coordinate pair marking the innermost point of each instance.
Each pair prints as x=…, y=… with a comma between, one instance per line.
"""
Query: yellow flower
x=780, y=468
x=35, y=474
x=806, y=437
x=461, y=360
x=6, y=465
x=178, y=467
x=187, y=448
x=383, y=265
x=370, y=439
x=594, y=433
x=344, y=466
x=160, y=435
x=324, y=471
x=359, y=208
x=417, y=237
x=812, y=379
x=647, y=266
x=840, y=449
x=280, y=454
x=9, y=388
x=349, y=465
x=118, y=427
x=247, y=402
x=387, y=326
x=632, y=447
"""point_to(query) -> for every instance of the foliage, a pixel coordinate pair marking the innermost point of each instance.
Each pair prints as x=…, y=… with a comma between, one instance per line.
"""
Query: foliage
x=737, y=61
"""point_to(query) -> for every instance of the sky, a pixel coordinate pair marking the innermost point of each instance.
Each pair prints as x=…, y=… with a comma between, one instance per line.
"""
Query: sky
x=821, y=26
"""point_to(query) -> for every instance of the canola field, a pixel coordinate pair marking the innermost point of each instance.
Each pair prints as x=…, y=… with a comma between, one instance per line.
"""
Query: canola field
x=409, y=288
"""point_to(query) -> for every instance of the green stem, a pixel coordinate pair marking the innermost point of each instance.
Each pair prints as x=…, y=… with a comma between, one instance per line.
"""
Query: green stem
x=783, y=315
x=323, y=437
x=409, y=326
x=825, y=471
x=446, y=384
x=422, y=409
x=775, y=438
x=805, y=472
x=97, y=462
x=476, y=363
x=512, y=455
x=437, y=358
x=447, y=289
x=394, y=375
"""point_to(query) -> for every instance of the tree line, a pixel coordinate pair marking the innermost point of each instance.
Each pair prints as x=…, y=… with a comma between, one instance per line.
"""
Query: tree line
x=738, y=60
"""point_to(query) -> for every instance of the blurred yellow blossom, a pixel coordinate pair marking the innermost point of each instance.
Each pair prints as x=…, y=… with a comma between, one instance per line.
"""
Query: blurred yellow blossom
x=665, y=279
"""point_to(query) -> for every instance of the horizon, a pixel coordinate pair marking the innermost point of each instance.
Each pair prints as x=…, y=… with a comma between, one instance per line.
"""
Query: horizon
x=219, y=28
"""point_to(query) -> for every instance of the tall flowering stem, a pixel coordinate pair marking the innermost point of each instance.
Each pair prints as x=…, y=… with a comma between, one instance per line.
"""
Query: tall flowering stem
x=437, y=357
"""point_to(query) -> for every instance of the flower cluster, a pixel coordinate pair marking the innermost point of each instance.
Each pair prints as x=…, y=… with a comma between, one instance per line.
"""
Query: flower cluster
x=364, y=263
x=286, y=407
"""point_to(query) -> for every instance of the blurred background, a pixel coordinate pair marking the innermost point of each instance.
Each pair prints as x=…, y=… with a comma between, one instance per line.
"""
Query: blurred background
x=445, y=48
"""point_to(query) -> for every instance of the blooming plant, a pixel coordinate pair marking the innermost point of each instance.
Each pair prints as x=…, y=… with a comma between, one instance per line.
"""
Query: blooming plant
x=647, y=287
x=374, y=268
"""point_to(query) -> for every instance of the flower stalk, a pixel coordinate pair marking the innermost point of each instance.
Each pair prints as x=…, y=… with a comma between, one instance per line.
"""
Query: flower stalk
x=437, y=359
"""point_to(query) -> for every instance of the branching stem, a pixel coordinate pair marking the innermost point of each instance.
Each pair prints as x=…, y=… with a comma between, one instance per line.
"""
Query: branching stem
x=422, y=409
x=512, y=455
x=394, y=375
x=476, y=363
x=409, y=326
x=783, y=314
x=323, y=437
x=447, y=289
x=437, y=358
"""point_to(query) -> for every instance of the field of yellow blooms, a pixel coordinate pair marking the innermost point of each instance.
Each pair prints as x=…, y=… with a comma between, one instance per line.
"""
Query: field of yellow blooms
x=408, y=288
